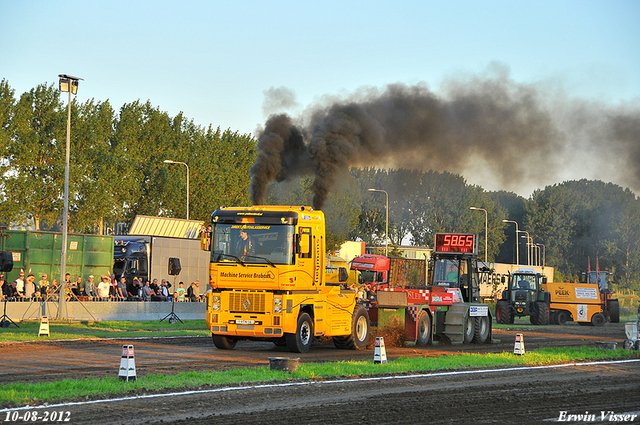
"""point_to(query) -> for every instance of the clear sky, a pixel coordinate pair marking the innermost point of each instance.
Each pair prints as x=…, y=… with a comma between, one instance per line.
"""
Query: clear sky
x=215, y=60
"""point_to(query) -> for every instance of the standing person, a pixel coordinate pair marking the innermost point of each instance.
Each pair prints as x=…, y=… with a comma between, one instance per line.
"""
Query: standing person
x=43, y=287
x=179, y=293
x=147, y=292
x=90, y=288
x=122, y=288
x=164, y=291
x=20, y=283
x=192, y=292
x=132, y=289
x=29, y=286
x=79, y=286
x=5, y=287
x=103, y=288
x=244, y=246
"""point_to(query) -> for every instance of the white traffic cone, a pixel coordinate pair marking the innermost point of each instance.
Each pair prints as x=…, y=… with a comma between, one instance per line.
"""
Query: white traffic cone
x=44, y=326
x=379, y=354
x=127, y=364
x=518, y=348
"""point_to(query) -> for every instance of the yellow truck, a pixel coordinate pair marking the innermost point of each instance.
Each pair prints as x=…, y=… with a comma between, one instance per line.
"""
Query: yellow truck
x=583, y=303
x=267, y=279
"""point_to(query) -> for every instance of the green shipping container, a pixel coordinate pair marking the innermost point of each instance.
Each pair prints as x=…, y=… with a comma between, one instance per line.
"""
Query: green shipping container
x=39, y=252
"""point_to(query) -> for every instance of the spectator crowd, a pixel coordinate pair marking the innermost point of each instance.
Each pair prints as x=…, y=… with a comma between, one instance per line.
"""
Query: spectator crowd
x=108, y=288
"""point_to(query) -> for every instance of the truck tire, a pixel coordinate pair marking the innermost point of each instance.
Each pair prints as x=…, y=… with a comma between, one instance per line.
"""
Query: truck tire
x=224, y=342
x=469, y=328
x=423, y=326
x=503, y=313
x=614, y=312
x=598, y=319
x=300, y=342
x=482, y=327
x=542, y=310
x=360, y=327
x=562, y=317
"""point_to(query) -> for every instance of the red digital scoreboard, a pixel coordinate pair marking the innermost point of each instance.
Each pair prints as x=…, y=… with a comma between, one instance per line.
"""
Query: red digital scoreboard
x=462, y=243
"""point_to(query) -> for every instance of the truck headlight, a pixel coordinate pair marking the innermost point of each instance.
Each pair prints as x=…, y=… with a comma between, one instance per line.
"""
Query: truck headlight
x=215, y=307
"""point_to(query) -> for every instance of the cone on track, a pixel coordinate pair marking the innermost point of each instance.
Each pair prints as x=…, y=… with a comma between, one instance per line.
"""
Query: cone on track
x=44, y=326
x=127, y=364
x=518, y=348
x=379, y=354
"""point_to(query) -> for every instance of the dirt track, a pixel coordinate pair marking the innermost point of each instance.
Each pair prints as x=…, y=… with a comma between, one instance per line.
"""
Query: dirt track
x=525, y=396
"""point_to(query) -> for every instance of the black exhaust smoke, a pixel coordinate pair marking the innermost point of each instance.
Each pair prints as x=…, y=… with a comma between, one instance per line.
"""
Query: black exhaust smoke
x=494, y=124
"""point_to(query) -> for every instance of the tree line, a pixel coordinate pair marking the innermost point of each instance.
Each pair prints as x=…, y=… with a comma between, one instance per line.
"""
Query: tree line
x=117, y=172
x=117, y=168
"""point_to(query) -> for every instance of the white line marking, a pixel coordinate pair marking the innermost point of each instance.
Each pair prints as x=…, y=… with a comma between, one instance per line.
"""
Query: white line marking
x=305, y=383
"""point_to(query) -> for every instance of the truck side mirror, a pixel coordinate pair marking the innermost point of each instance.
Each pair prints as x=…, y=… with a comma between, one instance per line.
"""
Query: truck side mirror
x=544, y=280
x=343, y=274
x=503, y=279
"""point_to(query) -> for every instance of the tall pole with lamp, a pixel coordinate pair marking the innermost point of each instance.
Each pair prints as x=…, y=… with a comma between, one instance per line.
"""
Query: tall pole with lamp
x=386, y=234
x=168, y=161
x=486, y=234
x=517, y=240
x=68, y=84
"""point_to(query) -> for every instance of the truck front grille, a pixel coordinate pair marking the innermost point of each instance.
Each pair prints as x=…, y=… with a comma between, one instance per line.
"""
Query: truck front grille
x=247, y=302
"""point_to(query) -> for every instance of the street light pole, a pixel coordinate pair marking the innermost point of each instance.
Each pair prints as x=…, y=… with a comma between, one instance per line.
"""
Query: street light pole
x=544, y=254
x=528, y=250
x=386, y=234
x=517, y=240
x=69, y=84
x=168, y=161
x=486, y=234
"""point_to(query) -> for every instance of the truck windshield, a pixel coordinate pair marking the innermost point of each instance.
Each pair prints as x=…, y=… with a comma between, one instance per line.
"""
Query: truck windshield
x=253, y=243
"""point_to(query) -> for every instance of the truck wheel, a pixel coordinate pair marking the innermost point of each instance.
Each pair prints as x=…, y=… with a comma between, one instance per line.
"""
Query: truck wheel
x=542, y=317
x=224, y=342
x=300, y=342
x=553, y=318
x=424, y=329
x=561, y=318
x=360, y=328
x=359, y=331
x=481, y=332
x=598, y=319
x=469, y=328
x=614, y=312
x=504, y=313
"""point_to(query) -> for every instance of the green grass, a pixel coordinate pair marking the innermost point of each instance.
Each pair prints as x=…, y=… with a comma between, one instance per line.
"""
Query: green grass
x=28, y=331
x=18, y=394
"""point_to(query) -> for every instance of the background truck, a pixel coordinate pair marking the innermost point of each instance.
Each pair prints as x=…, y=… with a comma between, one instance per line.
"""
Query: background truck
x=525, y=295
x=584, y=303
x=447, y=307
x=390, y=272
x=38, y=252
x=145, y=251
x=268, y=283
x=147, y=257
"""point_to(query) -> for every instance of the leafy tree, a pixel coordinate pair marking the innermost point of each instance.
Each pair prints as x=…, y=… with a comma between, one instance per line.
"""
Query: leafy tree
x=35, y=153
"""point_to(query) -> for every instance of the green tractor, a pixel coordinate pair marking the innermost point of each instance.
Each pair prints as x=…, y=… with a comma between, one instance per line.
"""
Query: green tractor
x=524, y=296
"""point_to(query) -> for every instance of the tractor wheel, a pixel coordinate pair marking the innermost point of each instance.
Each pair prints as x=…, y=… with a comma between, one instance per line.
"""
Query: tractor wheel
x=224, y=342
x=469, y=328
x=598, y=319
x=424, y=329
x=542, y=316
x=562, y=317
x=614, y=312
x=483, y=325
x=300, y=342
x=503, y=313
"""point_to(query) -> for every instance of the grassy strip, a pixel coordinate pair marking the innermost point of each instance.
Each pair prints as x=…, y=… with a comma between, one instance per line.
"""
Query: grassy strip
x=28, y=331
x=12, y=395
